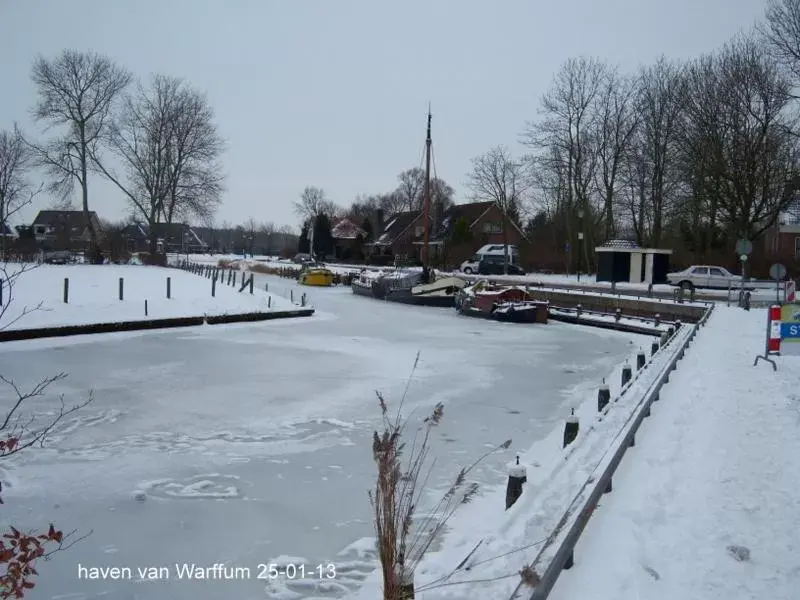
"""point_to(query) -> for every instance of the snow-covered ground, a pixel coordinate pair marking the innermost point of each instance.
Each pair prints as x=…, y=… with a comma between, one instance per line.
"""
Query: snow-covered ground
x=242, y=443
x=94, y=295
x=706, y=505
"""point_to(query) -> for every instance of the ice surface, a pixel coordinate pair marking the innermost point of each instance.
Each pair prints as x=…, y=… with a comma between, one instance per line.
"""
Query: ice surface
x=94, y=295
x=216, y=425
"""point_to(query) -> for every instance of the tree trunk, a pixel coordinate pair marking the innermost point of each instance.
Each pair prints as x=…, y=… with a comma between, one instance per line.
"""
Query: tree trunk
x=94, y=247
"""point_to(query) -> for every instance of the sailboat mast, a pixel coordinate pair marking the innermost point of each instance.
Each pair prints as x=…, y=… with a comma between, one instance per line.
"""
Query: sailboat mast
x=427, y=191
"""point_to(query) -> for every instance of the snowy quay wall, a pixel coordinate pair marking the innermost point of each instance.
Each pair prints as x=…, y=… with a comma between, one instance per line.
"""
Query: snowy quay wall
x=15, y=335
x=557, y=553
x=627, y=305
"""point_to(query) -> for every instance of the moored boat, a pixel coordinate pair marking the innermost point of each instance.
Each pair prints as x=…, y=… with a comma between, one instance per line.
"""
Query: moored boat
x=512, y=304
x=316, y=276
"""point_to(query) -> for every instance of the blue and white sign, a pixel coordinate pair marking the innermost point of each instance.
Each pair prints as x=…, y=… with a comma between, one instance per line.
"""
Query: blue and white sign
x=790, y=329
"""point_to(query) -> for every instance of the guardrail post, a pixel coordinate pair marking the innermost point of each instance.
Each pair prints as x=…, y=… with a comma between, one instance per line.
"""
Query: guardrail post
x=517, y=476
x=654, y=348
x=169, y=288
x=627, y=374
x=269, y=301
x=266, y=287
x=145, y=307
x=291, y=296
x=66, y=290
x=571, y=428
x=251, y=283
x=121, y=286
x=640, y=360
x=234, y=278
x=657, y=320
x=213, y=287
x=603, y=396
x=230, y=274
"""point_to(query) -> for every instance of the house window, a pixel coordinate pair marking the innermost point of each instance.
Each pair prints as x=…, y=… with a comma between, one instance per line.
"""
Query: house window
x=40, y=230
x=419, y=230
x=492, y=227
x=797, y=248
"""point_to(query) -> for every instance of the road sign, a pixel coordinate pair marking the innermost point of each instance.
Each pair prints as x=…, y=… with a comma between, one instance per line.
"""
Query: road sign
x=777, y=272
x=790, y=329
x=744, y=246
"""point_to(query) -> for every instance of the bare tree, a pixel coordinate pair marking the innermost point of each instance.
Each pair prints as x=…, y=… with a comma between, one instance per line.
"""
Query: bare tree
x=564, y=141
x=15, y=188
x=76, y=91
x=313, y=203
x=617, y=123
x=167, y=143
x=499, y=178
x=412, y=184
x=782, y=33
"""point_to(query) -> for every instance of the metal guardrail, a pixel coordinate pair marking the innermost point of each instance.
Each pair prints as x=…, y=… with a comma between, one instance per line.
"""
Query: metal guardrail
x=575, y=518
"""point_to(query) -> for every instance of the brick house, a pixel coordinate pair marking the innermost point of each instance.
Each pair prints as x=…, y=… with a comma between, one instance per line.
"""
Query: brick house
x=456, y=233
x=64, y=229
x=348, y=239
x=170, y=237
x=782, y=240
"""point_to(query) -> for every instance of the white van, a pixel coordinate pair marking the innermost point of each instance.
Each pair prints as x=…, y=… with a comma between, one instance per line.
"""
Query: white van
x=470, y=265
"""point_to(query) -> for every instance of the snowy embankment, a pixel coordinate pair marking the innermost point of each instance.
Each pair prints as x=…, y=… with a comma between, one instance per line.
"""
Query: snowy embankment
x=35, y=297
x=486, y=547
x=706, y=505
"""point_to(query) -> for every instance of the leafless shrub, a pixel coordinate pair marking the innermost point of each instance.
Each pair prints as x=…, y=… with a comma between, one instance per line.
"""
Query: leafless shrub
x=398, y=491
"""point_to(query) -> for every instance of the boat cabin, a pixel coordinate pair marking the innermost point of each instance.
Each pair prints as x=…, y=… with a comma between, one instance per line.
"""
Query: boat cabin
x=486, y=298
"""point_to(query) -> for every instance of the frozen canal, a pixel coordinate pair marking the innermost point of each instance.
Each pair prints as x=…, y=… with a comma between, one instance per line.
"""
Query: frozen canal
x=250, y=442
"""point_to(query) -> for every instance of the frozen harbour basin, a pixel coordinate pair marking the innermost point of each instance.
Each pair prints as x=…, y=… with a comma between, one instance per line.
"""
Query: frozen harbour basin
x=241, y=444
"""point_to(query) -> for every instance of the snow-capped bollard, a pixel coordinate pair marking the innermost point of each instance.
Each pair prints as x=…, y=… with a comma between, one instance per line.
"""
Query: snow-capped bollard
x=121, y=288
x=657, y=320
x=517, y=476
x=66, y=290
x=145, y=307
x=627, y=375
x=603, y=396
x=618, y=315
x=671, y=332
x=169, y=288
x=578, y=310
x=654, y=348
x=641, y=358
x=571, y=427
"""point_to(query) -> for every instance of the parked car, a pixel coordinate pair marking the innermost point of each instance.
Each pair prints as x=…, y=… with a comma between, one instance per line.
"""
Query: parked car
x=58, y=257
x=704, y=276
x=493, y=265
x=470, y=265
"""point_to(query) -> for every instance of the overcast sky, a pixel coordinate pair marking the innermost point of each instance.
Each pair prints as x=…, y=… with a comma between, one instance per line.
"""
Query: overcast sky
x=335, y=94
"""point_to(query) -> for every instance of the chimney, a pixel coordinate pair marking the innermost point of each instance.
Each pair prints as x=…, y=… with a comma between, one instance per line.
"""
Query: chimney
x=378, y=222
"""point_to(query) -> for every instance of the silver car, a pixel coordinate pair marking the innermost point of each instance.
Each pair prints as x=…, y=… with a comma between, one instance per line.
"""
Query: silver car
x=704, y=276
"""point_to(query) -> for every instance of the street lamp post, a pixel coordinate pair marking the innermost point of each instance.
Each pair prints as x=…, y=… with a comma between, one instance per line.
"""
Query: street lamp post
x=580, y=243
